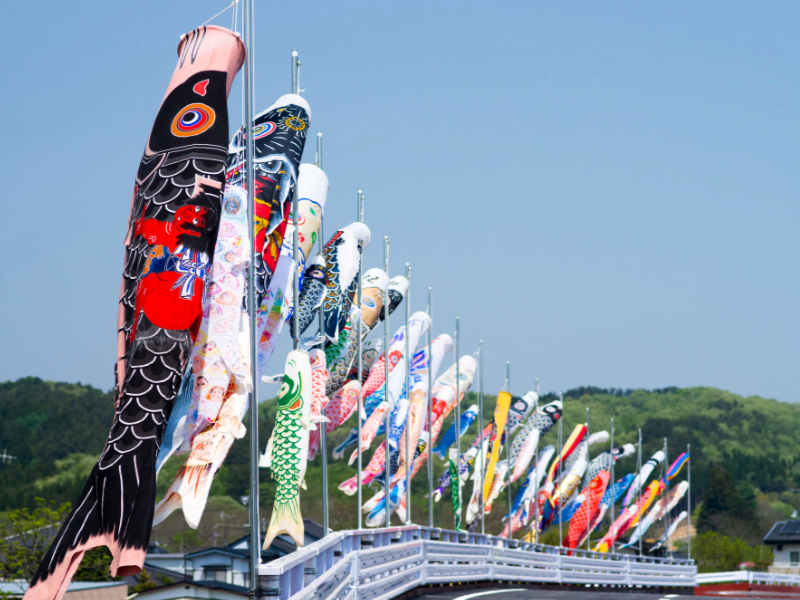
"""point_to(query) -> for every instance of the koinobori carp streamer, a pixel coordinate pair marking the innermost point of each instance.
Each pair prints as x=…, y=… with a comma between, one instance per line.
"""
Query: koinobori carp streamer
x=172, y=232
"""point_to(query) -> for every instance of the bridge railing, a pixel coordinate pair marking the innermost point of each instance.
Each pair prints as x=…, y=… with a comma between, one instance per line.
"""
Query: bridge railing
x=379, y=564
x=749, y=577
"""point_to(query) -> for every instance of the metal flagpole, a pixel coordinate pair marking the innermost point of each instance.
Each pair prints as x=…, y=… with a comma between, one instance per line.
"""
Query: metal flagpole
x=295, y=73
x=295, y=221
x=666, y=493
x=360, y=411
x=586, y=498
x=641, y=484
x=387, y=471
x=560, y=465
x=323, y=441
x=536, y=477
x=480, y=433
x=409, y=457
x=613, y=479
x=458, y=419
x=689, y=502
x=249, y=101
x=429, y=444
x=508, y=456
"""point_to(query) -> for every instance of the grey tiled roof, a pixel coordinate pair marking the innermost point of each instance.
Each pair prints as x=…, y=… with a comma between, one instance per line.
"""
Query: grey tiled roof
x=784, y=532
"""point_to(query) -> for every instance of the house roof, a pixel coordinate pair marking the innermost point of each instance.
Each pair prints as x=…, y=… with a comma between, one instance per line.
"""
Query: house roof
x=281, y=545
x=212, y=585
x=784, y=532
x=17, y=588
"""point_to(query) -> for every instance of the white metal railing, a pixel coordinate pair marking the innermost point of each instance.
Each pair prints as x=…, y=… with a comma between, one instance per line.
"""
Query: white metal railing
x=379, y=564
x=750, y=577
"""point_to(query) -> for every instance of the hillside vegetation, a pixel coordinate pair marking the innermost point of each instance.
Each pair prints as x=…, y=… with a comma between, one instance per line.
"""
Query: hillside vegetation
x=57, y=430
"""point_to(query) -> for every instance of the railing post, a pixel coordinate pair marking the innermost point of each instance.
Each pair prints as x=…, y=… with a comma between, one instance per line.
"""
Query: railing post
x=558, y=566
x=310, y=570
x=424, y=554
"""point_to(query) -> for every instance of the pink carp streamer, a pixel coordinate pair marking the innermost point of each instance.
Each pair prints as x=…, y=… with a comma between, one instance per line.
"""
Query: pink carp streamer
x=319, y=401
x=369, y=429
x=343, y=404
x=374, y=468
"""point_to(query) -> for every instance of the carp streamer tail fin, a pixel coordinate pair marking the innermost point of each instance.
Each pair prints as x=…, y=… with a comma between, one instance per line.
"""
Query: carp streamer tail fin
x=286, y=519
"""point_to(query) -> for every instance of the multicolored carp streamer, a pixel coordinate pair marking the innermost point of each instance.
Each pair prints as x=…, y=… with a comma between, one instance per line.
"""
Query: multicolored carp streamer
x=449, y=437
x=172, y=231
x=418, y=324
x=520, y=408
x=219, y=379
x=372, y=294
x=474, y=505
x=287, y=450
x=629, y=517
x=311, y=294
x=398, y=288
x=454, y=495
x=312, y=192
x=370, y=350
x=500, y=415
x=659, y=511
x=218, y=358
x=345, y=346
x=370, y=429
x=498, y=485
x=612, y=495
x=670, y=530
x=277, y=304
x=429, y=357
x=343, y=404
x=524, y=445
x=579, y=525
x=676, y=467
x=342, y=256
x=603, y=461
x=464, y=463
x=319, y=377
x=642, y=477
x=279, y=136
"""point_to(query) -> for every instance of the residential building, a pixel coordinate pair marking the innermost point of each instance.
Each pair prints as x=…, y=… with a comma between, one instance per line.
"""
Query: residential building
x=229, y=564
x=784, y=538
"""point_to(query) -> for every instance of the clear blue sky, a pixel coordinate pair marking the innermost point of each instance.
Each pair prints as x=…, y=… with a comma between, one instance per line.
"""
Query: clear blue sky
x=606, y=192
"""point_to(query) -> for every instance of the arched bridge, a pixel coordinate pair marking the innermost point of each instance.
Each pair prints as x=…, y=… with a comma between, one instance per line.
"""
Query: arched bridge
x=380, y=564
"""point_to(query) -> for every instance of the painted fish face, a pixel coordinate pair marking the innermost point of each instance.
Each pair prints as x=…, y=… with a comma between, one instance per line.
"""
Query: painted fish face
x=552, y=410
x=520, y=405
x=398, y=286
x=315, y=272
x=291, y=398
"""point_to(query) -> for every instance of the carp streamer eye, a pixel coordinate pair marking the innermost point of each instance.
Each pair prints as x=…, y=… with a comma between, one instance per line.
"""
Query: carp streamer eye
x=263, y=130
x=295, y=123
x=193, y=120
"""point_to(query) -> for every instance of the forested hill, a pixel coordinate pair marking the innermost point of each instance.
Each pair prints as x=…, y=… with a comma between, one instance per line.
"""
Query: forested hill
x=57, y=430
